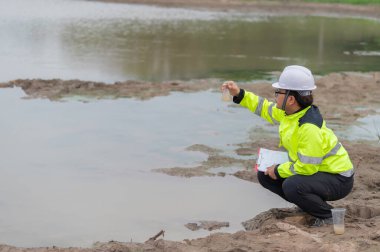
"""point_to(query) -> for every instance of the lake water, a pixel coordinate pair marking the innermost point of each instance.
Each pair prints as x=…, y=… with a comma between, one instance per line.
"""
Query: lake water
x=73, y=173
x=114, y=42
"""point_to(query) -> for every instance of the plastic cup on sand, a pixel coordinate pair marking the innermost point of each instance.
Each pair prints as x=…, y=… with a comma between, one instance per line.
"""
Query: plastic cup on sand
x=338, y=220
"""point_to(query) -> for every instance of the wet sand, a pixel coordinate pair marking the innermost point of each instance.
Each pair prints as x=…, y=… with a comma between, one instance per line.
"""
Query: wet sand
x=342, y=98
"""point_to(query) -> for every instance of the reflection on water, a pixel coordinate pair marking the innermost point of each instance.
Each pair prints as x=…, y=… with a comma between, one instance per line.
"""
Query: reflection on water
x=114, y=42
x=74, y=173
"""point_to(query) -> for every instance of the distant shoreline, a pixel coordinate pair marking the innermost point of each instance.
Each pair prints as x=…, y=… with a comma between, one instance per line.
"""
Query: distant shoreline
x=288, y=7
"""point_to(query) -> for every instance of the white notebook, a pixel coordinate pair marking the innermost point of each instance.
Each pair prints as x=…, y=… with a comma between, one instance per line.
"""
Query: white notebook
x=267, y=158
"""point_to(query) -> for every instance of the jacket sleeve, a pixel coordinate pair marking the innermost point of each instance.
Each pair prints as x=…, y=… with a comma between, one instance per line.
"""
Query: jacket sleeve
x=260, y=106
x=309, y=153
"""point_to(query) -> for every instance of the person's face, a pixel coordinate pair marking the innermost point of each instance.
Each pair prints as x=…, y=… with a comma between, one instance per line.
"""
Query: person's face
x=279, y=94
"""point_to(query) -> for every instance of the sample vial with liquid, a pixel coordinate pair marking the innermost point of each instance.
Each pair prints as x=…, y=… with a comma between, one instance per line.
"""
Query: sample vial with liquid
x=339, y=229
x=226, y=95
x=338, y=220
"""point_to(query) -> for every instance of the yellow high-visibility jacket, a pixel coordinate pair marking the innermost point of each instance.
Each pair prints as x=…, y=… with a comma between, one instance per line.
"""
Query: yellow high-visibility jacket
x=311, y=146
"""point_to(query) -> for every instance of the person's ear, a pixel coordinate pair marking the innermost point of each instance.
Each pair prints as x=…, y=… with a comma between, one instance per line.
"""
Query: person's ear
x=291, y=100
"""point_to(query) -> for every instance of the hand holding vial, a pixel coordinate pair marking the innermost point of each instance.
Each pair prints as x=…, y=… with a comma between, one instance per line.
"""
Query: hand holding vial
x=229, y=88
x=226, y=97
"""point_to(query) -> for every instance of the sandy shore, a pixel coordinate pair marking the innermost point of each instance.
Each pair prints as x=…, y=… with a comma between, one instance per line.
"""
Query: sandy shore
x=342, y=98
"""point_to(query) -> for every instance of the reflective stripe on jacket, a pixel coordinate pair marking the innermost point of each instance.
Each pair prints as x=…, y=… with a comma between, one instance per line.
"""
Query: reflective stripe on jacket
x=311, y=146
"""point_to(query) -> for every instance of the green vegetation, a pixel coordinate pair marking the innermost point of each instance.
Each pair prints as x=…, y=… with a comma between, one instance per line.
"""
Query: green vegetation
x=346, y=1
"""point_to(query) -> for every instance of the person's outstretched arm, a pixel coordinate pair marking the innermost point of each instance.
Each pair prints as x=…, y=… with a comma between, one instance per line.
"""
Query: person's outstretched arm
x=258, y=105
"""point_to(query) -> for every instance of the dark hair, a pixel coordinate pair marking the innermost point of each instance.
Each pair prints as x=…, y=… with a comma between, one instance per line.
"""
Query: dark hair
x=303, y=101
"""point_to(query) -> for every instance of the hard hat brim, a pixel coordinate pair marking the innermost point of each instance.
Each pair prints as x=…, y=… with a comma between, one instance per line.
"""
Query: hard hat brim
x=277, y=85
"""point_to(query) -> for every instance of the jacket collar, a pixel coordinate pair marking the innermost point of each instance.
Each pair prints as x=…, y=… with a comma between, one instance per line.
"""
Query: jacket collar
x=298, y=113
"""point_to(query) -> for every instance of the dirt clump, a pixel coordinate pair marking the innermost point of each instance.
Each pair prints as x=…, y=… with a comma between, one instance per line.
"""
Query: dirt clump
x=57, y=89
x=207, y=225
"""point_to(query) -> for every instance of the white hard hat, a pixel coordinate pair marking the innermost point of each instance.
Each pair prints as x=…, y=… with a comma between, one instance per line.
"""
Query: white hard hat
x=295, y=78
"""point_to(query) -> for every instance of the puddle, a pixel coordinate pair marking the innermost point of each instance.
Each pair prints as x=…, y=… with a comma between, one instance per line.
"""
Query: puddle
x=74, y=173
x=226, y=170
x=367, y=128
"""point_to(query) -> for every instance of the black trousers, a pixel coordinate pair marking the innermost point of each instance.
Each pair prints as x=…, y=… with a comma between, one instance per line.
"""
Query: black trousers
x=310, y=193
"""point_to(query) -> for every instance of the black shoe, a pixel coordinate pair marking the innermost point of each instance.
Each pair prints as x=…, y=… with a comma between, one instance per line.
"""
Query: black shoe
x=318, y=222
